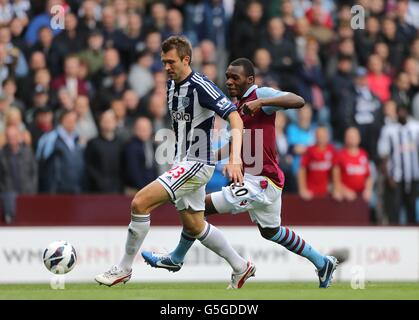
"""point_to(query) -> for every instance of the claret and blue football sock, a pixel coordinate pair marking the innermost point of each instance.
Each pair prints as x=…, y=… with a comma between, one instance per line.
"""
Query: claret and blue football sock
x=294, y=243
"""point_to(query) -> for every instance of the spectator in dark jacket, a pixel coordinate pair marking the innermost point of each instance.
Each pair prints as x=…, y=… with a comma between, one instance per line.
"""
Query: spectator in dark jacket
x=311, y=82
x=263, y=63
x=103, y=157
x=115, y=90
x=18, y=171
x=113, y=37
x=248, y=33
x=44, y=43
x=140, y=165
x=70, y=41
x=42, y=123
x=103, y=77
x=61, y=157
x=401, y=91
x=365, y=40
x=89, y=17
x=341, y=98
x=367, y=114
x=282, y=51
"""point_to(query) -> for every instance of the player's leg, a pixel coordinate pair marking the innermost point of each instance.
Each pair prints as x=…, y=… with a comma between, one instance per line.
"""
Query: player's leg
x=147, y=199
x=214, y=203
x=325, y=265
x=294, y=243
x=212, y=238
x=268, y=219
x=191, y=206
x=186, y=181
x=186, y=240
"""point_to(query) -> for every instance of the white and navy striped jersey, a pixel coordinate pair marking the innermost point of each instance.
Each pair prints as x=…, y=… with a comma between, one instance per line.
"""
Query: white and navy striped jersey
x=400, y=143
x=193, y=104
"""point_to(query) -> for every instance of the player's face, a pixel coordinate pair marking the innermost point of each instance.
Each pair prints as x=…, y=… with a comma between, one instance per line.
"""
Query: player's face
x=322, y=136
x=352, y=138
x=174, y=66
x=236, y=81
x=402, y=115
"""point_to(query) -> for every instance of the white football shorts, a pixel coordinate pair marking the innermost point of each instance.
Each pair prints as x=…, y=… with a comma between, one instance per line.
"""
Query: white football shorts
x=258, y=195
x=185, y=182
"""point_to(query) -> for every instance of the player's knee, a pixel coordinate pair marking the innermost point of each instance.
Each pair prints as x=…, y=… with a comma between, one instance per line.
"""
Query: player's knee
x=268, y=233
x=192, y=230
x=193, y=225
x=139, y=204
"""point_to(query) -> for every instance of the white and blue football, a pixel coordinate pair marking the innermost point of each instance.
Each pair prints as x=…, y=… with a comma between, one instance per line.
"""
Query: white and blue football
x=60, y=257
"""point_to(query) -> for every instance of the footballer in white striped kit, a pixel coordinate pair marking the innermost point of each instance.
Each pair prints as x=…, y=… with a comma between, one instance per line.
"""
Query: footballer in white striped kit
x=193, y=101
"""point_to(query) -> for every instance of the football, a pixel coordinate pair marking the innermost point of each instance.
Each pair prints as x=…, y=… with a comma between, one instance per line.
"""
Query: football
x=60, y=257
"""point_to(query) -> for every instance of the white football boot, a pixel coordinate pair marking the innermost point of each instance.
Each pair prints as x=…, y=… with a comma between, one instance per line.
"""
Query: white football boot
x=238, y=279
x=113, y=276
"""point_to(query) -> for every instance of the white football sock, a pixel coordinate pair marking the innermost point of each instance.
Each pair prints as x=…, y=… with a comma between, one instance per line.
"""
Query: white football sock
x=137, y=231
x=213, y=239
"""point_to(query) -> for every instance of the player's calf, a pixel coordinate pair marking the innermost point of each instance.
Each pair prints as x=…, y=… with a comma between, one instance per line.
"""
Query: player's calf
x=294, y=243
x=268, y=233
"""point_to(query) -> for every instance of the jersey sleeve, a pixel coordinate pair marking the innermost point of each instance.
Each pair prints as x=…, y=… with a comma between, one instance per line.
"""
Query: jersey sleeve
x=211, y=97
x=267, y=92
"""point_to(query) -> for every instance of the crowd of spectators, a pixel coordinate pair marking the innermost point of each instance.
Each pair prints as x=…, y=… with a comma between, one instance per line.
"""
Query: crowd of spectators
x=79, y=106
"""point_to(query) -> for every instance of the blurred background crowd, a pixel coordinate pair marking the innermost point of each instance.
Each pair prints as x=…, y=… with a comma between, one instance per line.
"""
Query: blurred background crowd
x=79, y=106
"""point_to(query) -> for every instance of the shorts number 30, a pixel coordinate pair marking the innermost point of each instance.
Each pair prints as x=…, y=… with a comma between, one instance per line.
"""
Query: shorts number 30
x=241, y=192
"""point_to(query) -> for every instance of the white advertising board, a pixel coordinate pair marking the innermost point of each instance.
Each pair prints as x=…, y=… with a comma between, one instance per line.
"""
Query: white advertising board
x=390, y=254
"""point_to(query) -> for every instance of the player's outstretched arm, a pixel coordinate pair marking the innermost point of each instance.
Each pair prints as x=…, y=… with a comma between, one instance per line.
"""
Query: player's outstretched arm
x=234, y=167
x=286, y=101
x=223, y=152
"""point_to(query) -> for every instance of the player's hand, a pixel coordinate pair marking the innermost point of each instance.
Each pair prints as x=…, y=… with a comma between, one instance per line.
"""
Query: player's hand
x=234, y=172
x=349, y=195
x=306, y=194
x=251, y=107
x=337, y=195
x=366, y=195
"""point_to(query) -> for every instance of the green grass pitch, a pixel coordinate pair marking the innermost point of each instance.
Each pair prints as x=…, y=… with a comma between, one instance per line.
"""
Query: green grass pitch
x=213, y=291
